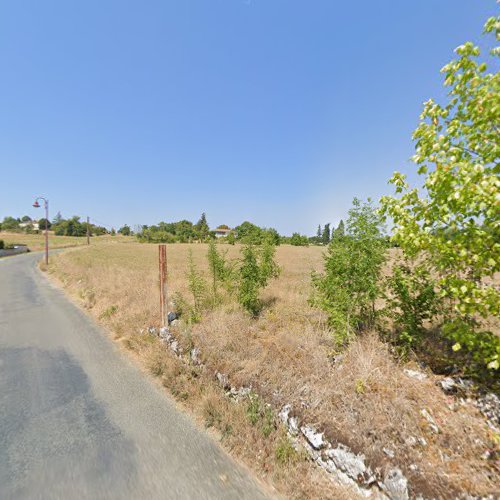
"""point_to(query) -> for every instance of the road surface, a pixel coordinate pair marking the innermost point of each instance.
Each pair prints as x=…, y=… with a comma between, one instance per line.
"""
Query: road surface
x=78, y=420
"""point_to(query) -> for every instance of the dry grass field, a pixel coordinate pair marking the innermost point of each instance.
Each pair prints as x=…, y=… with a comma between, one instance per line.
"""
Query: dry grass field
x=287, y=355
x=37, y=241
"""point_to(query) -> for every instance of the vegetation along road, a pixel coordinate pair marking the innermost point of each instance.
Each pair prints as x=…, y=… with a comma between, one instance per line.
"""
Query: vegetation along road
x=77, y=420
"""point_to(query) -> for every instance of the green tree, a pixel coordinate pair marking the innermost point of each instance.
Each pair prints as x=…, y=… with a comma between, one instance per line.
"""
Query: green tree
x=257, y=267
x=125, y=230
x=26, y=218
x=453, y=220
x=249, y=233
x=349, y=286
x=58, y=218
x=340, y=231
x=41, y=224
x=10, y=224
x=202, y=227
x=299, y=240
x=319, y=233
x=325, y=237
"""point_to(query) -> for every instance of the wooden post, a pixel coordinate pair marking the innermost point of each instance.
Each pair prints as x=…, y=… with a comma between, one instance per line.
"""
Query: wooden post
x=88, y=231
x=162, y=259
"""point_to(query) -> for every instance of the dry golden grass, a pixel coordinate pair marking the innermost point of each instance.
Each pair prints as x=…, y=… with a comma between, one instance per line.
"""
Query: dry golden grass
x=37, y=241
x=364, y=401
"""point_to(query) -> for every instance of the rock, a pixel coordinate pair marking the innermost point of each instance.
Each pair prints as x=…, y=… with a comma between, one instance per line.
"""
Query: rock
x=293, y=426
x=489, y=405
x=315, y=439
x=411, y=441
x=432, y=423
x=415, y=374
x=414, y=467
x=175, y=323
x=396, y=485
x=447, y=384
x=164, y=333
x=348, y=462
x=389, y=452
x=422, y=442
x=171, y=316
x=175, y=347
x=223, y=380
x=284, y=414
x=195, y=356
x=152, y=330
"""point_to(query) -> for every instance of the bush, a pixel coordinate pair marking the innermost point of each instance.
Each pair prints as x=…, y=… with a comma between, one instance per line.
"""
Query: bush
x=411, y=300
x=350, y=284
x=256, y=269
x=2, y=244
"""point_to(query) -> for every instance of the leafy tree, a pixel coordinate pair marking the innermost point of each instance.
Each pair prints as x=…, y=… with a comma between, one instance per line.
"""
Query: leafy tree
x=453, y=221
x=249, y=233
x=26, y=218
x=257, y=267
x=230, y=238
x=299, y=240
x=350, y=284
x=70, y=227
x=10, y=224
x=42, y=222
x=125, y=230
x=319, y=233
x=58, y=218
x=326, y=234
x=340, y=231
x=271, y=235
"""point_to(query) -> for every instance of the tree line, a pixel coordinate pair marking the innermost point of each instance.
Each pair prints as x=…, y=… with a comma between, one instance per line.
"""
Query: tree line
x=60, y=226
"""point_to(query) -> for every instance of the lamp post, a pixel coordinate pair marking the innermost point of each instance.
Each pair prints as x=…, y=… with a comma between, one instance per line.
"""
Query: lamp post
x=46, y=206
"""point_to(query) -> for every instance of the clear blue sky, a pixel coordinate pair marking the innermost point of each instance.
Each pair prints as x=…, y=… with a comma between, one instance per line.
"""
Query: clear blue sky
x=274, y=111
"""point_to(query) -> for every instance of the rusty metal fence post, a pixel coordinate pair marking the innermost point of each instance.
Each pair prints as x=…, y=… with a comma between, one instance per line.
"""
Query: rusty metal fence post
x=162, y=257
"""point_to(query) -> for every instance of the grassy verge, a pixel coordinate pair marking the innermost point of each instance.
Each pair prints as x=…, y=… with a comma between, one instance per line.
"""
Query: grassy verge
x=362, y=399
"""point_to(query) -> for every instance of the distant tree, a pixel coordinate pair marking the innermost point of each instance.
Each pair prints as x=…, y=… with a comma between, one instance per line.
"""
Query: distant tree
x=326, y=234
x=70, y=227
x=125, y=230
x=58, y=218
x=319, y=233
x=340, y=231
x=113, y=232
x=231, y=239
x=249, y=233
x=223, y=226
x=299, y=240
x=42, y=222
x=202, y=228
x=26, y=218
x=271, y=235
x=10, y=224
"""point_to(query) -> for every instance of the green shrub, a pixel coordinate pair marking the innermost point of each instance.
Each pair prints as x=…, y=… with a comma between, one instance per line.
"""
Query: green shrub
x=197, y=286
x=411, y=300
x=2, y=244
x=349, y=286
x=257, y=267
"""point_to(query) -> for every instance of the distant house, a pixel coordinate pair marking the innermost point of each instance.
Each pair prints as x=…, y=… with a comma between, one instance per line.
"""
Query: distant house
x=222, y=232
x=33, y=224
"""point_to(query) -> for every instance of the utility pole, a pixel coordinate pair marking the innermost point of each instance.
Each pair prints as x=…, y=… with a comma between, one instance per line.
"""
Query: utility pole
x=162, y=261
x=88, y=231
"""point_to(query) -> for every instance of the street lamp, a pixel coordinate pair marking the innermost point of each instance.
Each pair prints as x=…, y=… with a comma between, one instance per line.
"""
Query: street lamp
x=46, y=206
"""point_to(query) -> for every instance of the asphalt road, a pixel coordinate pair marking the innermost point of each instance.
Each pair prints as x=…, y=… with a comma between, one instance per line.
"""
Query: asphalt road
x=78, y=420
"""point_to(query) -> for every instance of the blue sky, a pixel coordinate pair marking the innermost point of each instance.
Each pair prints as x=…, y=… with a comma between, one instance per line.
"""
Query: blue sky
x=274, y=111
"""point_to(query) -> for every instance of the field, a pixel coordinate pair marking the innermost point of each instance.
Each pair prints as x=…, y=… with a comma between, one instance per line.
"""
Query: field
x=36, y=242
x=362, y=399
